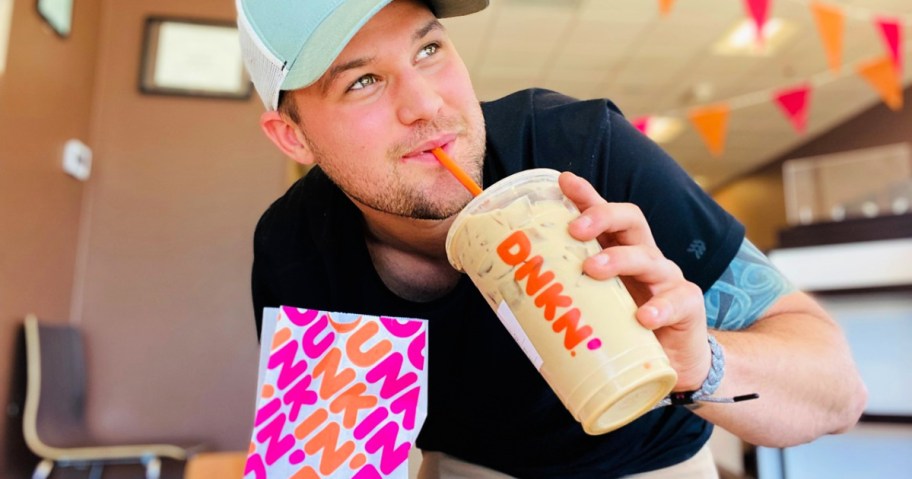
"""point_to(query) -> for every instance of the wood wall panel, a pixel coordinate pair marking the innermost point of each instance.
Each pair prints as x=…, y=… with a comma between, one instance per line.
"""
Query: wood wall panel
x=46, y=95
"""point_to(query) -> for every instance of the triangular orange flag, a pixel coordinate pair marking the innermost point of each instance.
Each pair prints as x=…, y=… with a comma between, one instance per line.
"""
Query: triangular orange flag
x=712, y=122
x=882, y=76
x=665, y=6
x=829, y=24
x=794, y=103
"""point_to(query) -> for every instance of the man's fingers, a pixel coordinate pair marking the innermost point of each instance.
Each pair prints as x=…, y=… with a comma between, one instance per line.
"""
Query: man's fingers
x=677, y=318
x=579, y=191
x=676, y=307
x=669, y=305
x=611, y=223
x=645, y=264
x=622, y=222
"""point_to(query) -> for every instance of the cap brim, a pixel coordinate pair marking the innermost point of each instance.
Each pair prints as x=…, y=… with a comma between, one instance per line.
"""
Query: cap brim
x=456, y=8
x=333, y=34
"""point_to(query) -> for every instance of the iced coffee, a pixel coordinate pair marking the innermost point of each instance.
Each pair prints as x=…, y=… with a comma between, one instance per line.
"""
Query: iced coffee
x=579, y=332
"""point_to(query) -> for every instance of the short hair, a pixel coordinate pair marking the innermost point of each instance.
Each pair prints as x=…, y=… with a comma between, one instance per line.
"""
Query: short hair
x=287, y=107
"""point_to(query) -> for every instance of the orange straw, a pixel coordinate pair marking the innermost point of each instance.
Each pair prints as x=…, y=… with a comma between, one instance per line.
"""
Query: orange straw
x=460, y=175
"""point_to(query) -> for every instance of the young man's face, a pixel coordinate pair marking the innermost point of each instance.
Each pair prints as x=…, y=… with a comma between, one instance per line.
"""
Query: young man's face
x=395, y=92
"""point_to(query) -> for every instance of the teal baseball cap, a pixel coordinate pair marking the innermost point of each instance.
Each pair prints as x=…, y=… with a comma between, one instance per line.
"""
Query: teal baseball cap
x=289, y=44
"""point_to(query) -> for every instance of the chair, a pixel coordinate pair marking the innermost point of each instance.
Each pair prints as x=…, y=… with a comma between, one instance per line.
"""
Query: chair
x=54, y=413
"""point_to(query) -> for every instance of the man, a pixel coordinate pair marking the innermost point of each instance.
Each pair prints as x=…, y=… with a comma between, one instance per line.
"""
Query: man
x=364, y=90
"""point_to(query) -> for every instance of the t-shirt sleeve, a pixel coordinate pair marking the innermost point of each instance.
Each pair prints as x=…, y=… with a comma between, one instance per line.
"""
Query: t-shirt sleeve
x=259, y=277
x=689, y=227
x=539, y=128
x=297, y=261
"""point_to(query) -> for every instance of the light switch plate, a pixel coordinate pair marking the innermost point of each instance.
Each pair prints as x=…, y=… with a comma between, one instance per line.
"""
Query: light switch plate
x=77, y=159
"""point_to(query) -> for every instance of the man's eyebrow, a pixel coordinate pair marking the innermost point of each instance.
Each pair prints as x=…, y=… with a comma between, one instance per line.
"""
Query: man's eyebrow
x=428, y=28
x=337, y=70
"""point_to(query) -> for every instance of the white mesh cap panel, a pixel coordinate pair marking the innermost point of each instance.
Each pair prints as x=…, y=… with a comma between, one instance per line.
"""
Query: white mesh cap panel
x=265, y=69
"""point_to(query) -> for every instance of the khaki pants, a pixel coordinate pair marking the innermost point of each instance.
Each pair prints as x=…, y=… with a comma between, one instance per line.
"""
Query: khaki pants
x=437, y=465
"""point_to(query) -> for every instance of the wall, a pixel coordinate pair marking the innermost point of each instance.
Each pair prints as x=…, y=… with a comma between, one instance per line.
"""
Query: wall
x=45, y=99
x=757, y=199
x=164, y=265
x=151, y=256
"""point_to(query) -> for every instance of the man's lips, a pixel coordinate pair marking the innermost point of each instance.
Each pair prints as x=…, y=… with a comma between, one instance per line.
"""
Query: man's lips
x=423, y=151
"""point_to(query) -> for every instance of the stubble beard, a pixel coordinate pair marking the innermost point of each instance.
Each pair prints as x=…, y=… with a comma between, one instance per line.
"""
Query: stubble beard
x=397, y=197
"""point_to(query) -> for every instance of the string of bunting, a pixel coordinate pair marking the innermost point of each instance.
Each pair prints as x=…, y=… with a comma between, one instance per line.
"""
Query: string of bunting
x=883, y=73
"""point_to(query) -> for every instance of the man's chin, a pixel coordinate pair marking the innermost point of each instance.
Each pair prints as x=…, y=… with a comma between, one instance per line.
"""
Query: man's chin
x=439, y=213
x=433, y=216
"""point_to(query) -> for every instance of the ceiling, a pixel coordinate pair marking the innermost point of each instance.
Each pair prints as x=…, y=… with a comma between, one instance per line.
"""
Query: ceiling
x=650, y=64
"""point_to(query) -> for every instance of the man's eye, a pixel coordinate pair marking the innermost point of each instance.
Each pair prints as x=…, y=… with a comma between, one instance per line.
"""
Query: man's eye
x=428, y=50
x=363, y=82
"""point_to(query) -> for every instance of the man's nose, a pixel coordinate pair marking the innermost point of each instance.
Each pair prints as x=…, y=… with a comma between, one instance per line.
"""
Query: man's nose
x=418, y=98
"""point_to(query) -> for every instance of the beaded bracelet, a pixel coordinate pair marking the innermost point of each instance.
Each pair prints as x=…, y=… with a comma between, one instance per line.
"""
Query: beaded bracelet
x=710, y=384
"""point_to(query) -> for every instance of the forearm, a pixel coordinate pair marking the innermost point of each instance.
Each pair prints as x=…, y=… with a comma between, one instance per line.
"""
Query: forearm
x=799, y=363
x=794, y=356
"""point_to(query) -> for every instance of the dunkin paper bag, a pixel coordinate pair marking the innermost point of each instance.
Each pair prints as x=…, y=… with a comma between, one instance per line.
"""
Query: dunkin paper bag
x=339, y=395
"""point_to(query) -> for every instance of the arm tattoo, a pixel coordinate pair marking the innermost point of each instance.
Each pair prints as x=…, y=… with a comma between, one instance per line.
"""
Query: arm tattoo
x=749, y=286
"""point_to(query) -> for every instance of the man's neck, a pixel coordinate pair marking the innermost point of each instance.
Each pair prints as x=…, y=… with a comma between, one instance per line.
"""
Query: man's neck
x=409, y=254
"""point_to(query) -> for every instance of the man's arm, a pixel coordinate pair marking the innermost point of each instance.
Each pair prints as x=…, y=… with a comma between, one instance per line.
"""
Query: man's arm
x=771, y=322
x=797, y=359
x=794, y=355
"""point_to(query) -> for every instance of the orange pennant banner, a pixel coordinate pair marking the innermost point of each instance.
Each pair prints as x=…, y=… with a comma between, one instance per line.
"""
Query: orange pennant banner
x=712, y=122
x=829, y=23
x=881, y=75
x=665, y=6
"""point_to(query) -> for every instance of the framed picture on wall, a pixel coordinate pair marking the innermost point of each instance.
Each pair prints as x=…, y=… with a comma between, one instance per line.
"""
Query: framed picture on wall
x=192, y=58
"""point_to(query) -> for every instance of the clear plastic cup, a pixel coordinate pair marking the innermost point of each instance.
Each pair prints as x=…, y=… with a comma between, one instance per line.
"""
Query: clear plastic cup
x=580, y=333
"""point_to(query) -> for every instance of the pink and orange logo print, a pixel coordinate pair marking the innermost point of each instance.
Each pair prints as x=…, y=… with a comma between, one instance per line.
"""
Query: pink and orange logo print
x=340, y=395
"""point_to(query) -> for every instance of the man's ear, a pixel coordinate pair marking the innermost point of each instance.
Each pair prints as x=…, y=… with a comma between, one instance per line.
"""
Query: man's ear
x=287, y=136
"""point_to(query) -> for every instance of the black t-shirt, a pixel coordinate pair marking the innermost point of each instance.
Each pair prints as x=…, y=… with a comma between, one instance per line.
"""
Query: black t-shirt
x=487, y=404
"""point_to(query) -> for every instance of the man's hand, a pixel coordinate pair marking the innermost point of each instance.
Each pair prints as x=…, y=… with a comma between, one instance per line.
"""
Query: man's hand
x=668, y=304
x=794, y=355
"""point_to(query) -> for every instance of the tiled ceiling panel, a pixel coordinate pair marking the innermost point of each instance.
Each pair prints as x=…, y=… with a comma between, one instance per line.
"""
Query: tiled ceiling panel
x=654, y=65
